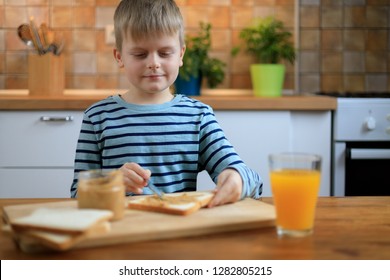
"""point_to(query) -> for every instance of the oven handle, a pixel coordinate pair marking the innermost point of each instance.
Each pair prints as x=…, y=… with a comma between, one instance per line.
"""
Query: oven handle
x=369, y=153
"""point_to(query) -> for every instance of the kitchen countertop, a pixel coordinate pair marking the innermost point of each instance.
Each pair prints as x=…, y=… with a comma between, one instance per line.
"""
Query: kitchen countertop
x=345, y=228
x=220, y=99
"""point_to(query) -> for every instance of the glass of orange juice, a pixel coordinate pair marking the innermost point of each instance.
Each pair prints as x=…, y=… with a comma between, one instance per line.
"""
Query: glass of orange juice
x=295, y=182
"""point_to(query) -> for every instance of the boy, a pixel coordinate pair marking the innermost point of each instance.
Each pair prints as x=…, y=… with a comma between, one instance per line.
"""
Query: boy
x=150, y=134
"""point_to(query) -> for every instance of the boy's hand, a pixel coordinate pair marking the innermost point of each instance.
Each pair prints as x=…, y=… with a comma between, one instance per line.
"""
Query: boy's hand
x=135, y=177
x=229, y=188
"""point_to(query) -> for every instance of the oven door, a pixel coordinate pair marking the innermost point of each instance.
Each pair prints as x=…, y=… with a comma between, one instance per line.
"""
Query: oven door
x=367, y=169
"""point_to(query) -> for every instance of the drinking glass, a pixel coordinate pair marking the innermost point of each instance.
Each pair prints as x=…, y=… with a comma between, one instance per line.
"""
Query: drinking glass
x=295, y=182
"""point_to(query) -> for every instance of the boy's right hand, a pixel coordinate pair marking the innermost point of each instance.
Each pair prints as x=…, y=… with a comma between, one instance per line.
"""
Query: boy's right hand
x=135, y=177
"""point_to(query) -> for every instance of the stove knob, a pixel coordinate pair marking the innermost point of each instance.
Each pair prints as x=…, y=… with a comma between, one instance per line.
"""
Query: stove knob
x=370, y=123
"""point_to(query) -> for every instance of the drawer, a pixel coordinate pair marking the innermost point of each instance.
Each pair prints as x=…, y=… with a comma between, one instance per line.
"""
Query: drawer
x=35, y=183
x=39, y=138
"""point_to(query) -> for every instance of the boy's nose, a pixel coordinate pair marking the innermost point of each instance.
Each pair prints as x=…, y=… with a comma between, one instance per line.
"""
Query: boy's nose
x=153, y=62
x=154, y=66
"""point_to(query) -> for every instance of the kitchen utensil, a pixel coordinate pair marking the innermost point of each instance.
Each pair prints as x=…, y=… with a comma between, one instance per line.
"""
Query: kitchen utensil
x=44, y=34
x=24, y=34
x=156, y=190
x=58, y=44
x=42, y=38
x=49, y=43
x=35, y=36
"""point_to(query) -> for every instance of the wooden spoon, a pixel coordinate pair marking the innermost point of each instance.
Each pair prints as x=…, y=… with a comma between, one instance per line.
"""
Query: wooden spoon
x=25, y=35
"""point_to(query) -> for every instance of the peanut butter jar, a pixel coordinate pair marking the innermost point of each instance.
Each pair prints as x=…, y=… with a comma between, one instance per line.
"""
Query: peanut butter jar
x=102, y=189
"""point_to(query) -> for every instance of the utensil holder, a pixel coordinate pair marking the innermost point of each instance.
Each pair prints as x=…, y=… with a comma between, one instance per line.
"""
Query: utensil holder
x=46, y=74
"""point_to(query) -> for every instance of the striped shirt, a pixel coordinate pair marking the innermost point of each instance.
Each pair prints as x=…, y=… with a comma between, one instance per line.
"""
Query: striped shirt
x=175, y=141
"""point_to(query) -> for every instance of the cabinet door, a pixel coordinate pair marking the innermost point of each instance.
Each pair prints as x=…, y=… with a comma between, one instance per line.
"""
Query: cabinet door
x=39, y=138
x=35, y=183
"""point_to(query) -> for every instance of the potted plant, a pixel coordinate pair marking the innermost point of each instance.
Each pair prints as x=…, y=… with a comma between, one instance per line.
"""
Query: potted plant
x=198, y=65
x=269, y=42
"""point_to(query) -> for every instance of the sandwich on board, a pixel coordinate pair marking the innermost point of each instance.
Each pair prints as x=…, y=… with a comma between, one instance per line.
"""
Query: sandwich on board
x=176, y=203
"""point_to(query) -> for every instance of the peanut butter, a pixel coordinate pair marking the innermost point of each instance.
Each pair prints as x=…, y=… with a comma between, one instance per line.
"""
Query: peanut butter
x=99, y=189
x=169, y=200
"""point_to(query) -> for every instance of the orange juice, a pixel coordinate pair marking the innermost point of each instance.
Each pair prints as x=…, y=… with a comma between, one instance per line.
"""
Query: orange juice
x=295, y=194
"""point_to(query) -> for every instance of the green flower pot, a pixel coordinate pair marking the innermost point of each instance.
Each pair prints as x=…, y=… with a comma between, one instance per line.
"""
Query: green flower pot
x=267, y=79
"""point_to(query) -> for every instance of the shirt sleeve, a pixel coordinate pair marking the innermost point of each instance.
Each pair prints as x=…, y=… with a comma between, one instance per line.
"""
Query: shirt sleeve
x=216, y=154
x=88, y=154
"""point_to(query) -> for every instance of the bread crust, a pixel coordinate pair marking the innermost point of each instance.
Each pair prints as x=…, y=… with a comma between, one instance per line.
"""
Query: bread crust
x=59, y=241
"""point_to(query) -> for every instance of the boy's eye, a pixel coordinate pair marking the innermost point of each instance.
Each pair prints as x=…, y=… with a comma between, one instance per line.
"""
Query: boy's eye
x=139, y=55
x=165, y=54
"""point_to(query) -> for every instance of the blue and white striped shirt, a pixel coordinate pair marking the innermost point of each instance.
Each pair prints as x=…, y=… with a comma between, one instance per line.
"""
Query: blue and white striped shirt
x=175, y=141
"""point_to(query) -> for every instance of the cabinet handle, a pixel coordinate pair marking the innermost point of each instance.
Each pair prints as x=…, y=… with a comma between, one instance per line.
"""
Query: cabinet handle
x=57, y=119
x=370, y=154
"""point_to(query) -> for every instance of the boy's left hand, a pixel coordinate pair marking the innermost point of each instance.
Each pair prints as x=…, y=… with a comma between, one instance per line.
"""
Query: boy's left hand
x=229, y=188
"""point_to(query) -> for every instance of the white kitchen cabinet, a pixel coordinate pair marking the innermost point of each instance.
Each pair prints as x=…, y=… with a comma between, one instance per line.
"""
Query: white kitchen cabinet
x=256, y=134
x=35, y=182
x=37, y=151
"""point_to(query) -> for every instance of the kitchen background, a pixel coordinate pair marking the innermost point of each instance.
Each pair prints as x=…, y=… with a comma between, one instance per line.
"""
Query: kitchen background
x=343, y=45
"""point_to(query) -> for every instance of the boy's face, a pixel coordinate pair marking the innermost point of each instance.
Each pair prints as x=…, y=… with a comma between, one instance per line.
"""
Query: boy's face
x=151, y=65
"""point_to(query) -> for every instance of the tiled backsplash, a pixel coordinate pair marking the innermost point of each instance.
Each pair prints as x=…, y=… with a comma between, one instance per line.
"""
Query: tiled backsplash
x=343, y=45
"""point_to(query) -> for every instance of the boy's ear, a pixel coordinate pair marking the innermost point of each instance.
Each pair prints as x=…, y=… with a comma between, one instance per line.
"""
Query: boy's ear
x=118, y=57
x=182, y=52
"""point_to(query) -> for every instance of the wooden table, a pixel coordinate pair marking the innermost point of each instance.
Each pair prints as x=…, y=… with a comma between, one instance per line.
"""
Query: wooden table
x=345, y=228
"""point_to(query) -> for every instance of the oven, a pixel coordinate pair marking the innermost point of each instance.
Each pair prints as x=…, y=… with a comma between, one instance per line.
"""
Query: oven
x=361, y=144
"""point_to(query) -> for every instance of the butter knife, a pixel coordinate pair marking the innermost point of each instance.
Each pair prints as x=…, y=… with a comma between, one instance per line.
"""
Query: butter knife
x=154, y=189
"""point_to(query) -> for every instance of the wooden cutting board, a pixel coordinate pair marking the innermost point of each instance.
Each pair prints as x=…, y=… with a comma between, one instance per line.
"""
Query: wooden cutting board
x=140, y=225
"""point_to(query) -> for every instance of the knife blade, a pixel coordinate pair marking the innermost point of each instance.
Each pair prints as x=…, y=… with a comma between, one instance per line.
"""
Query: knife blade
x=155, y=190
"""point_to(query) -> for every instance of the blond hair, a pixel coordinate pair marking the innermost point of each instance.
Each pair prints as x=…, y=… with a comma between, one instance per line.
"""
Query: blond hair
x=142, y=19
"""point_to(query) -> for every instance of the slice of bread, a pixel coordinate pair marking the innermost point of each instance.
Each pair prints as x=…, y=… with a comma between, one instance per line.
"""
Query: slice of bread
x=61, y=220
x=63, y=241
x=176, y=203
x=38, y=240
